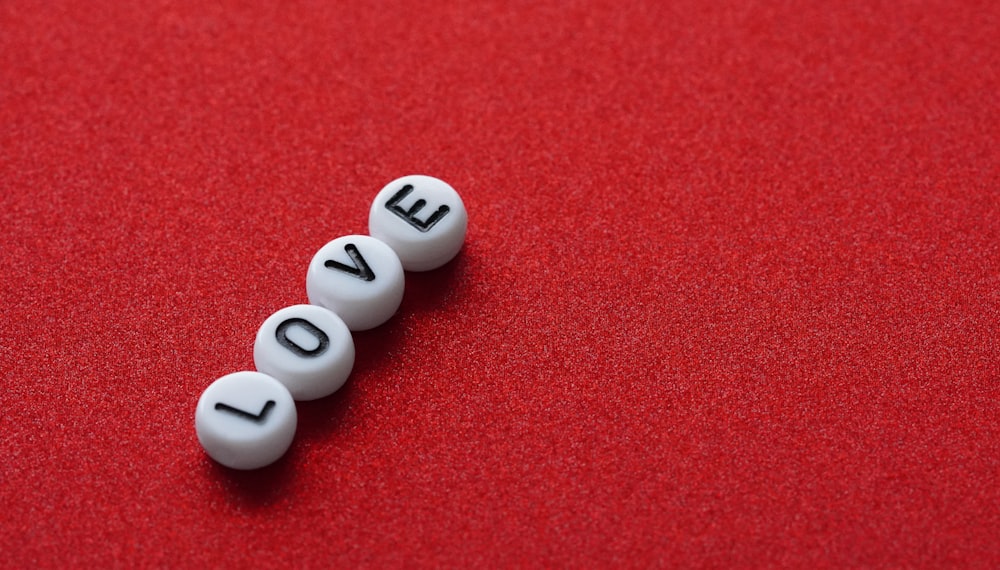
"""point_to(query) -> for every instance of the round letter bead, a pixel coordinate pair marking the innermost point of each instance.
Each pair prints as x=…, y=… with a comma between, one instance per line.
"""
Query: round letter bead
x=245, y=420
x=422, y=219
x=307, y=348
x=357, y=277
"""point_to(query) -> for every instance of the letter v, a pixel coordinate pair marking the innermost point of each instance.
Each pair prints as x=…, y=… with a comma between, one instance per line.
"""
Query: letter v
x=360, y=269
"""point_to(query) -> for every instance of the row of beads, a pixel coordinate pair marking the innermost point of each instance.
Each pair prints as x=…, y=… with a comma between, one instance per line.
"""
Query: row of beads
x=247, y=419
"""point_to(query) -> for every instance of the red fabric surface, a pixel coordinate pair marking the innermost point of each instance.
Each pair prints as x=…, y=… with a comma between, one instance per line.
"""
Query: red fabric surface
x=729, y=296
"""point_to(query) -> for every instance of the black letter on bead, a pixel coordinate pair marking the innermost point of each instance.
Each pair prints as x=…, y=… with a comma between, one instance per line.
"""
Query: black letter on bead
x=256, y=418
x=409, y=216
x=281, y=333
x=360, y=269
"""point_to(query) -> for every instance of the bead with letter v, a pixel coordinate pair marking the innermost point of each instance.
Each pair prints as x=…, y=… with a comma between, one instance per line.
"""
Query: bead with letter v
x=365, y=292
x=360, y=269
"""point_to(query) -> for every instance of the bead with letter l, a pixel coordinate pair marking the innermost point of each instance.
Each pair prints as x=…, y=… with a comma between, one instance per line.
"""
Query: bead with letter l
x=245, y=420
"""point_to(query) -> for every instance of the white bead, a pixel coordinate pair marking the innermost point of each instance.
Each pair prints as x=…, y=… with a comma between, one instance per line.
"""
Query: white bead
x=422, y=219
x=245, y=420
x=359, y=278
x=307, y=348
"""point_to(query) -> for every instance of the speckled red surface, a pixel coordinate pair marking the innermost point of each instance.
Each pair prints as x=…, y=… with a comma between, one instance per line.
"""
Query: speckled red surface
x=730, y=293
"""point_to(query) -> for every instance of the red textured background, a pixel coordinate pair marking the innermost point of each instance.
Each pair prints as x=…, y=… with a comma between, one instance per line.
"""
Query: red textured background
x=730, y=293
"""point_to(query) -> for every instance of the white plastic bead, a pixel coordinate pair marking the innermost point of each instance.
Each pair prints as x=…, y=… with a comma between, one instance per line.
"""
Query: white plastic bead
x=245, y=420
x=307, y=348
x=422, y=219
x=358, y=277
